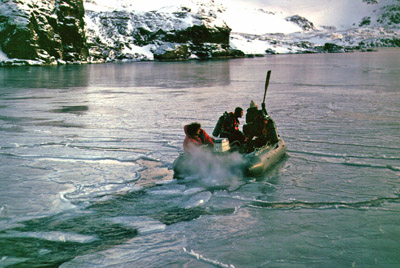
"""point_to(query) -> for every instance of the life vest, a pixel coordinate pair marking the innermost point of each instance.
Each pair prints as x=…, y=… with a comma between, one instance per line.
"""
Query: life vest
x=230, y=123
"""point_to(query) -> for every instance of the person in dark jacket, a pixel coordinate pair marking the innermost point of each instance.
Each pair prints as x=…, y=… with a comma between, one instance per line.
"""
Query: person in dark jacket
x=252, y=112
x=260, y=128
x=230, y=128
x=196, y=137
x=270, y=132
x=254, y=121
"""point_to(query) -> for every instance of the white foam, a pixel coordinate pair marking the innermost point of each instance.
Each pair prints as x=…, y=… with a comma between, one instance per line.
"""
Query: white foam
x=3, y=56
x=207, y=260
x=193, y=191
x=6, y=261
x=198, y=200
x=53, y=236
x=144, y=225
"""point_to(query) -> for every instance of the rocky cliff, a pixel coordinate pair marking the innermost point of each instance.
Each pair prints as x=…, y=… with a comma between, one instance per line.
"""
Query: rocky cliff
x=43, y=32
x=176, y=33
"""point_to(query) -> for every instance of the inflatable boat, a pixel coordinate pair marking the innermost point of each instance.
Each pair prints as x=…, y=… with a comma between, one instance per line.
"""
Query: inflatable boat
x=259, y=161
x=252, y=164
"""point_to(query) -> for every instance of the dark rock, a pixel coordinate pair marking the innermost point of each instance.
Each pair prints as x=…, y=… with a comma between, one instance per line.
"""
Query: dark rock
x=371, y=1
x=270, y=51
x=199, y=34
x=71, y=28
x=390, y=15
x=230, y=53
x=333, y=48
x=366, y=21
x=172, y=52
x=47, y=32
x=302, y=22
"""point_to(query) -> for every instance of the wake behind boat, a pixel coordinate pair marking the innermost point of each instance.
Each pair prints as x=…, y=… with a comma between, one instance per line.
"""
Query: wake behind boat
x=252, y=164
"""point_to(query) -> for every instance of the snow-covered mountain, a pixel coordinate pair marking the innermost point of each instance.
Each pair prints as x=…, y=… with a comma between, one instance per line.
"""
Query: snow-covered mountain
x=63, y=31
x=307, y=26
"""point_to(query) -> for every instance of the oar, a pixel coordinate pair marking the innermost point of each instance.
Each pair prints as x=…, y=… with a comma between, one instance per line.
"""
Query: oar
x=266, y=87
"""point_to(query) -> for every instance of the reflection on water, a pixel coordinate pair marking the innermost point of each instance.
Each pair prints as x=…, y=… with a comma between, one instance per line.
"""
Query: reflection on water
x=72, y=109
x=162, y=74
x=50, y=77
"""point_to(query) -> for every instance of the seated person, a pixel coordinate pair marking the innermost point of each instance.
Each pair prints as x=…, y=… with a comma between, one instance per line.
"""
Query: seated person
x=268, y=133
x=252, y=112
x=254, y=121
x=260, y=128
x=196, y=137
x=230, y=127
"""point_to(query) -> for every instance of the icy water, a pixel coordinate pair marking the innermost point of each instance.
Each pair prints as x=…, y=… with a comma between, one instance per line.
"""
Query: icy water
x=86, y=155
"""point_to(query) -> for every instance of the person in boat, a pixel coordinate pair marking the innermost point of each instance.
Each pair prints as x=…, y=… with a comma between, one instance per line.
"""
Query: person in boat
x=259, y=129
x=254, y=121
x=196, y=137
x=252, y=112
x=270, y=134
x=230, y=127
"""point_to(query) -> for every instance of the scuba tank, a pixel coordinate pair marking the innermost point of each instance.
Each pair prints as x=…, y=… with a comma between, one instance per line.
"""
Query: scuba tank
x=218, y=126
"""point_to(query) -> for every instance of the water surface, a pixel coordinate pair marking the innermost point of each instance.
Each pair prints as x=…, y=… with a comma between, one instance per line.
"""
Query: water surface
x=86, y=154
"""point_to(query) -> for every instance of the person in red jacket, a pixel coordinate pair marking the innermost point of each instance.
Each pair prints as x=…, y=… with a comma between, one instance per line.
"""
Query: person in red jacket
x=196, y=137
